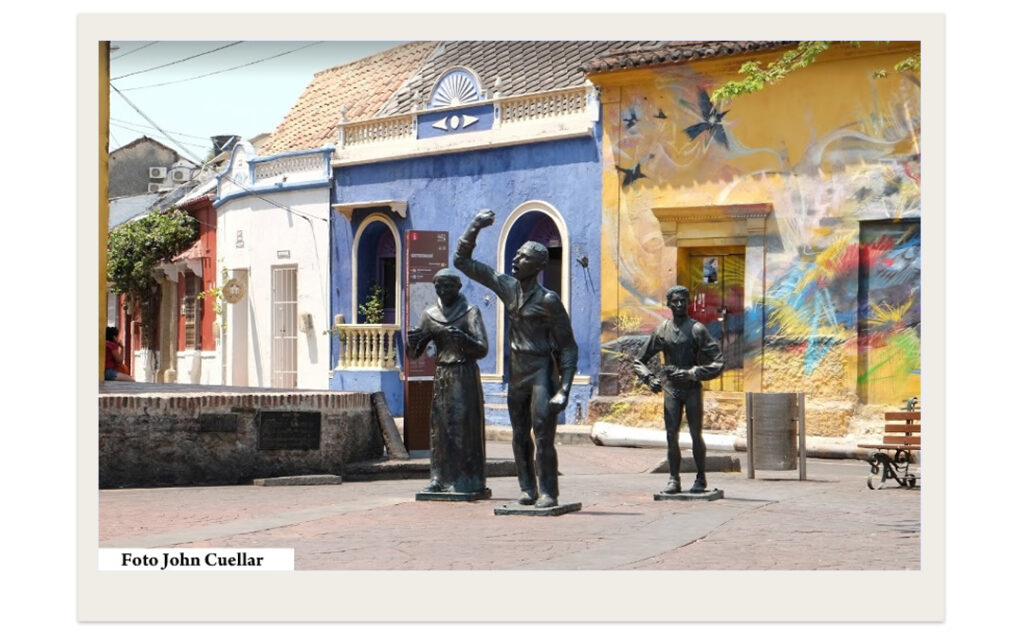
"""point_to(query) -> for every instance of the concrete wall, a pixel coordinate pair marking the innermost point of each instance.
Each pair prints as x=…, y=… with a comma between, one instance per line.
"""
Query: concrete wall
x=444, y=192
x=129, y=167
x=162, y=439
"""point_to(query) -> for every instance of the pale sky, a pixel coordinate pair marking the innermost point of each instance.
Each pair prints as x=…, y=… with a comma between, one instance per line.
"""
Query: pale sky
x=169, y=89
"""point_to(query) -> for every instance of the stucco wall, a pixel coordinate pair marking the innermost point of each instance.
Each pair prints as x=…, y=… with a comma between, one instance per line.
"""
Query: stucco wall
x=129, y=166
x=259, y=233
x=444, y=192
x=828, y=150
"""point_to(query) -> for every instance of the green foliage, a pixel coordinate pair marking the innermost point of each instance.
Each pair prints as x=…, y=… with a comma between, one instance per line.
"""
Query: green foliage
x=217, y=295
x=805, y=54
x=134, y=249
x=372, y=309
x=910, y=64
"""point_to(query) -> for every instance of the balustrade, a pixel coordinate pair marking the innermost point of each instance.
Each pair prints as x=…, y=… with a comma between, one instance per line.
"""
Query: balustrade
x=368, y=346
x=283, y=166
x=546, y=105
x=379, y=130
x=566, y=103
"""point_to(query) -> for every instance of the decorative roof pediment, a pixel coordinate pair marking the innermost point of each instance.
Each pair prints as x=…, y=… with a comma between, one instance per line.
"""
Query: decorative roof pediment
x=237, y=174
x=456, y=87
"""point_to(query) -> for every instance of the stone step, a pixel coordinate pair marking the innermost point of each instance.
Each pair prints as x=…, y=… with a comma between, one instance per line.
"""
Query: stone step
x=311, y=479
x=415, y=468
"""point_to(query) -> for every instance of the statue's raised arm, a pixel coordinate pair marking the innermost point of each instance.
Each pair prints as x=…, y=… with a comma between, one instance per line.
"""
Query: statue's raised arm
x=542, y=362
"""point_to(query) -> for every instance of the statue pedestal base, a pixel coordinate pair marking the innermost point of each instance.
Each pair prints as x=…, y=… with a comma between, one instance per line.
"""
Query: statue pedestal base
x=530, y=510
x=483, y=494
x=711, y=494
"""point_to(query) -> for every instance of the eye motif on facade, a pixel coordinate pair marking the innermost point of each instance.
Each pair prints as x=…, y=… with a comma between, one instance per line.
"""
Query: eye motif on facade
x=455, y=122
x=458, y=87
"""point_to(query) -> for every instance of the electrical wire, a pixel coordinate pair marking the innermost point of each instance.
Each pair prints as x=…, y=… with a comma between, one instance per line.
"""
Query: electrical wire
x=134, y=50
x=123, y=121
x=217, y=72
x=172, y=63
x=205, y=165
x=153, y=123
x=272, y=202
x=142, y=130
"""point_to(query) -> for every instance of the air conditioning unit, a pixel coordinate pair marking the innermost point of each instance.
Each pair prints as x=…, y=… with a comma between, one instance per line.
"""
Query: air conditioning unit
x=157, y=173
x=154, y=187
x=180, y=175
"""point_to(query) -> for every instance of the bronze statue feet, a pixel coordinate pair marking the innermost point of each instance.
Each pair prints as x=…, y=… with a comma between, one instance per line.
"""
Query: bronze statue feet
x=546, y=501
x=672, y=487
x=700, y=486
x=528, y=498
x=434, y=486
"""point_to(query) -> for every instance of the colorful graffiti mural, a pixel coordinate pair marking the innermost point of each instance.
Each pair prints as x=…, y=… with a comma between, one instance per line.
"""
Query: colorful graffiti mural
x=835, y=152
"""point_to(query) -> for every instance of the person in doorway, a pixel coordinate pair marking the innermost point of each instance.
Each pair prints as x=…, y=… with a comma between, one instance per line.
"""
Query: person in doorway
x=542, y=363
x=457, y=452
x=689, y=355
x=114, y=368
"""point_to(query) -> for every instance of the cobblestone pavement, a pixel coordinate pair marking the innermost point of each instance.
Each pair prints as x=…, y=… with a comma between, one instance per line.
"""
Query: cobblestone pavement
x=773, y=522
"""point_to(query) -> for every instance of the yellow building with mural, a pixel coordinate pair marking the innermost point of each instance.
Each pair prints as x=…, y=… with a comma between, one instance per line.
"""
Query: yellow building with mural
x=792, y=214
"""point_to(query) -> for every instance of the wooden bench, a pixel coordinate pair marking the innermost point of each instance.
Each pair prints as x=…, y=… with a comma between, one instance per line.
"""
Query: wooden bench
x=896, y=451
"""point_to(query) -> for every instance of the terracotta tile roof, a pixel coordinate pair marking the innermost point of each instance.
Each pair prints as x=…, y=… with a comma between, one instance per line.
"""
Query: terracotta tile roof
x=362, y=85
x=195, y=251
x=662, y=53
x=523, y=66
x=401, y=79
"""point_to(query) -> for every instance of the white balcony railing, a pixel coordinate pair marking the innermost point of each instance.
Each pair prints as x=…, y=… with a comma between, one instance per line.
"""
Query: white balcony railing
x=545, y=105
x=287, y=166
x=368, y=347
x=379, y=130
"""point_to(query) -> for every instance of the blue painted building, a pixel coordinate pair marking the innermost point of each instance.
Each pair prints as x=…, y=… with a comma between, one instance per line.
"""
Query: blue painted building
x=525, y=144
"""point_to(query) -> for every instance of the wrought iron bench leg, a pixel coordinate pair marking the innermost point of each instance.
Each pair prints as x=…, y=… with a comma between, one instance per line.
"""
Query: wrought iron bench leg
x=895, y=468
x=879, y=462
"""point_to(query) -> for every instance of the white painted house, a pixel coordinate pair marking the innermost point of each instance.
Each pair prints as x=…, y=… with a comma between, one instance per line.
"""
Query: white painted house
x=272, y=247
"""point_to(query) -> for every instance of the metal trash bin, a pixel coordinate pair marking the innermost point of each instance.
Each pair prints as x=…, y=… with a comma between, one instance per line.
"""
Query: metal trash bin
x=775, y=432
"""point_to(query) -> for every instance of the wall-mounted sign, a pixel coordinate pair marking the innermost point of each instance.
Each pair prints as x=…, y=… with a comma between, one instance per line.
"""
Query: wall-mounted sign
x=233, y=291
x=426, y=253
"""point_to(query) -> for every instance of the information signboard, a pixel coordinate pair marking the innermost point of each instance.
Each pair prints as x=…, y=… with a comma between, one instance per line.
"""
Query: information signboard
x=426, y=252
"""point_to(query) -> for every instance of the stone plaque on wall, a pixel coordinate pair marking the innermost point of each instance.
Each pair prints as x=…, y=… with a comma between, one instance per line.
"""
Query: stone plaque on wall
x=218, y=422
x=289, y=430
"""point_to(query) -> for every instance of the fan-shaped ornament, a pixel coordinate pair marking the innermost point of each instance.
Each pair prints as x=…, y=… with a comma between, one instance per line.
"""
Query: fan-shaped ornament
x=455, y=88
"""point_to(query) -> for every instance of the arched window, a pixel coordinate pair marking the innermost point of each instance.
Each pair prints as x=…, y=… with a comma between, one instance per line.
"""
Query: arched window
x=534, y=221
x=375, y=261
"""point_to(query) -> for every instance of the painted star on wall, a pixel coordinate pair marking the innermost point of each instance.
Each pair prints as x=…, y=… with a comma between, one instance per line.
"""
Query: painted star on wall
x=711, y=123
x=632, y=174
